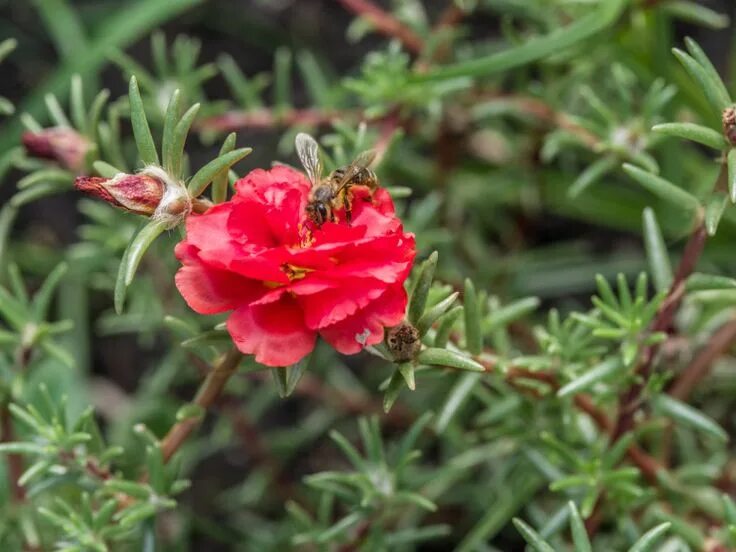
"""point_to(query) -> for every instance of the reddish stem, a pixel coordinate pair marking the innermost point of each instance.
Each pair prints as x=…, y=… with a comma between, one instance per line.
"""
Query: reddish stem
x=720, y=342
x=207, y=394
x=631, y=399
x=268, y=118
x=385, y=23
x=14, y=461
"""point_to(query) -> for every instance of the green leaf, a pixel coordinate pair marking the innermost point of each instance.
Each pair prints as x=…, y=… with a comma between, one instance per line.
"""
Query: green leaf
x=406, y=369
x=22, y=448
x=714, y=208
x=665, y=189
x=432, y=314
x=446, y=323
x=698, y=14
x=204, y=176
x=244, y=91
x=95, y=112
x=532, y=537
x=706, y=282
x=44, y=176
x=279, y=378
x=689, y=416
x=139, y=245
x=600, y=372
x=220, y=182
x=711, y=72
x=731, y=162
x=132, y=258
x=282, y=79
x=729, y=511
x=190, y=411
x=532, y=49
x=657, y=255
x=471, y=309
x=57, y=113
x=120, y=287
x=710, y=87
x=340, y=527
x=34, y=471
x=123, y=26
x=105, y=169
x=170, y=120
x=316, y=81
x=696, y=133
x=395, y=385
x=42, y=298
x=348, y=450
x=141, y=131
x=579, y=534
x=76, y=99
x=136, y=514
x=418, y=300
x=502, y=317
x=650, y=538
x=179, y=138
x=6, y=47
x=449, y=359
x=455, y=400
x=592, y=174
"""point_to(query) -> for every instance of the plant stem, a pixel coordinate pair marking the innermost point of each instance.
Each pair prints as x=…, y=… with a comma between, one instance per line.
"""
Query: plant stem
x=385, y=23
x=268, y=118
x=207, y=394
x=720, y=342
x=631, y=399
x=14, y=461
x=648, y=465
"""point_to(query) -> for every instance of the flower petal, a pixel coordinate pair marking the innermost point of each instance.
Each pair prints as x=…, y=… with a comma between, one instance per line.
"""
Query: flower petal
x=275, y=333
x=333, y=305
x=208, y=290
x=366, y=326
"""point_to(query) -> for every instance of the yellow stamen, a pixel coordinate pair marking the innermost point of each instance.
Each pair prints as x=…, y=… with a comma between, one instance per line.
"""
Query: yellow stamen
x=295, y=272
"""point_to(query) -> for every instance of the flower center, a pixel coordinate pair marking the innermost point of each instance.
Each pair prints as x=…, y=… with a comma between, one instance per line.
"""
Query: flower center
x=294, y=272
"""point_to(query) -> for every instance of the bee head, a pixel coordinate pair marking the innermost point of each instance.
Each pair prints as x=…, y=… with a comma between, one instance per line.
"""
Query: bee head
x=317, y=212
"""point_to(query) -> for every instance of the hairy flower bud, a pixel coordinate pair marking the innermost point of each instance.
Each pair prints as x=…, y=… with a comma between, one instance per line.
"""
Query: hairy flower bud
x=137, y=193
x=64, y=145
x=403, y=342
x=729, y=125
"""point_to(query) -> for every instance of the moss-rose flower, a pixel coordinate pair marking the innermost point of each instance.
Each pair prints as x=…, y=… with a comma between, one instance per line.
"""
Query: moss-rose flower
x=285, y=280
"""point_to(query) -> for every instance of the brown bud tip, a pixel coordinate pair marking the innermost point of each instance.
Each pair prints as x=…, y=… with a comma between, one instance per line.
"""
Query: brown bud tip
x=137, y=193
x=64, y=145
x=729, y=125
x=403, y=342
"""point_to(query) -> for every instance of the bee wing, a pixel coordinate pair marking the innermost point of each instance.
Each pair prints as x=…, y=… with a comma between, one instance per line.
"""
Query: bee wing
x=362, y=161
x=308, y=151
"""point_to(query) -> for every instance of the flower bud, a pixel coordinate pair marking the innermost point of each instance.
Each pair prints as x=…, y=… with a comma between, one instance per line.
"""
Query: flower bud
x=137, y=193
x=64, y=145
x=729, y=125
x=403, y=342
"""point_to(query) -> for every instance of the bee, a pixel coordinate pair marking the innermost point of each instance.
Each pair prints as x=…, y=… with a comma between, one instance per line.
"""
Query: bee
x=331, y=193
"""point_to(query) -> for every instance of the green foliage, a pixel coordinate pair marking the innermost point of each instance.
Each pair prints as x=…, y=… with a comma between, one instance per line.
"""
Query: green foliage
x=566, y=153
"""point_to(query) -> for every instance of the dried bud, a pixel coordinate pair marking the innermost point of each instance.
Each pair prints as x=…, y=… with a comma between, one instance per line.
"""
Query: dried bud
x=137, y=193
x=729, y=125
x=64, y=145
x=151, y=192
x=403, y=342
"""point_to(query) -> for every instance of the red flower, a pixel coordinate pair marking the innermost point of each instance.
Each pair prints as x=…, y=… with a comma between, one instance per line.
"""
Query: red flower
x=286, y=281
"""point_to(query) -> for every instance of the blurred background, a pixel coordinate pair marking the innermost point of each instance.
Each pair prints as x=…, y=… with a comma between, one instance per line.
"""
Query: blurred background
x=486, y=194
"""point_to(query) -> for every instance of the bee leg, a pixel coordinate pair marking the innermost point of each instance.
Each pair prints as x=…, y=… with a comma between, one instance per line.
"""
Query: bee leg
x=348, y=209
